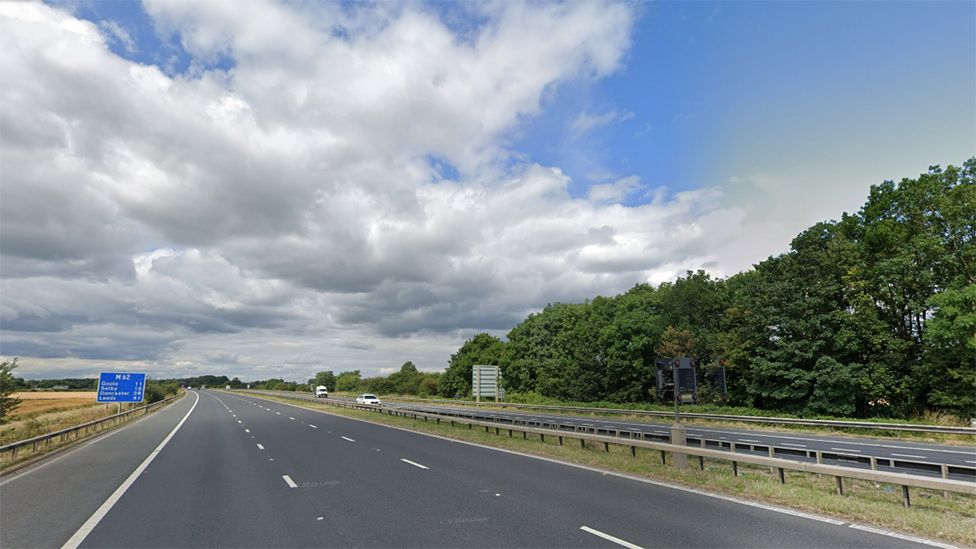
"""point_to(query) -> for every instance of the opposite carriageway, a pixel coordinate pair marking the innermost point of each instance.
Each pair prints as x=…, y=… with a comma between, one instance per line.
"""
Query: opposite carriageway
x=956, y=462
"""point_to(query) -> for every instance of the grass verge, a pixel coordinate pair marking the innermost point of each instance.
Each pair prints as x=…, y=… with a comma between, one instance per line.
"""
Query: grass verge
x=949, y=519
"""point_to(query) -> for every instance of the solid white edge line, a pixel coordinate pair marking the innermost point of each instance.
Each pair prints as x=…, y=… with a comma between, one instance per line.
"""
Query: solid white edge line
x=901, y=536
x=289, y=481
x=781, y=510
x=608, y=537
x=90, y=524
x=414, y=463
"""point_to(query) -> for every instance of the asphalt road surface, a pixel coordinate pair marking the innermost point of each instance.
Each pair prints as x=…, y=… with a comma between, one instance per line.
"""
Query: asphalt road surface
x=245, y=472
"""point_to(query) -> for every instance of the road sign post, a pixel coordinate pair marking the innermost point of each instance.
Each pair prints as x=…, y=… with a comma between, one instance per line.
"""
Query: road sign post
x=121, y=387
x=678, y=435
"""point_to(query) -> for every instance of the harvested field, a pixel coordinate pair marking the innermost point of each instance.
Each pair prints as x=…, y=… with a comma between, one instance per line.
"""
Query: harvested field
x=35, y=402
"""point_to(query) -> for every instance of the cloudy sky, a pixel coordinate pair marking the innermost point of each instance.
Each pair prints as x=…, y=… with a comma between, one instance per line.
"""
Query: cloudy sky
x=265, y=189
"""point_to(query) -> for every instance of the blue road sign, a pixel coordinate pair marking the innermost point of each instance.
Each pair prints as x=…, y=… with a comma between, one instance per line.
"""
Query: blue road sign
x=121, y=387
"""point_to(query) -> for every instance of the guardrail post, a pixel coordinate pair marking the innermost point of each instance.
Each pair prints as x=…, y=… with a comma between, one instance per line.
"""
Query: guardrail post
x=664, y=458
x=497, y=431
x=782, y=476
x=633, y=451
x=945, y=474
x=840, y=484
x=905, y=497
x=735, y=468
x=542, y=437
x=678, y=438
x=525, y=436
x=874, y=463
x=509, y=433
x=582, y=443
x=606, y=446
x=560, y=440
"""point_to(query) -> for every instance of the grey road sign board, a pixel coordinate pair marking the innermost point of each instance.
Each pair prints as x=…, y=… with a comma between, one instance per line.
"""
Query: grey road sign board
x=485, y=382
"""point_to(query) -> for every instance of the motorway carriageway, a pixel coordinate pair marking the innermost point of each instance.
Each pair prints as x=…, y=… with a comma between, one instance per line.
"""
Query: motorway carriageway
x=230, y=470
x=909, y=457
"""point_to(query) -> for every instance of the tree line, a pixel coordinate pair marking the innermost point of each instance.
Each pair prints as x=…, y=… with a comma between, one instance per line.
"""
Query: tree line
x=870, y=315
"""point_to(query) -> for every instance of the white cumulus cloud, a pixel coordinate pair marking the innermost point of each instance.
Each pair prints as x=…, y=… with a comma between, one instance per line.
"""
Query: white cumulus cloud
x=284, y=214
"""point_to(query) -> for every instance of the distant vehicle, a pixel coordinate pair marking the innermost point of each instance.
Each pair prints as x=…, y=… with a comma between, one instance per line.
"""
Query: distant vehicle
x=203, y=386
x=228, y=387
x=367, y=398
x=321, y=392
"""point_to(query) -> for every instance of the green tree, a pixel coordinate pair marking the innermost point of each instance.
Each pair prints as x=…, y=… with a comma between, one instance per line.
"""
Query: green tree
x=406, y=381
x=348, y=381
x=8, y=402
x=950, y=358
x=676, y=343
x=326, y=378
x=482, y=349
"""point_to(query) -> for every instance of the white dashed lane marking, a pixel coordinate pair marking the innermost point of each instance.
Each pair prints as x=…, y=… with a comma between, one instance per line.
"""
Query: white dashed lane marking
x=289, y=481
x=414, y=463
x=349, y=439
x=608, y=537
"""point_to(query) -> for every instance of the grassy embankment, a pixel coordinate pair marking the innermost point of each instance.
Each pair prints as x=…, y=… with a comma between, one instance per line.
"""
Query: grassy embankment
x=951, y=519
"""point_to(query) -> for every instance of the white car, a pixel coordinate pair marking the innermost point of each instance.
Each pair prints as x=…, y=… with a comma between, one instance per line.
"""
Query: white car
x=367, y=398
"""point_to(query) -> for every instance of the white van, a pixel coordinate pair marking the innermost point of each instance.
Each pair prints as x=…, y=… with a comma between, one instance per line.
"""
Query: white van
x=321, y=392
